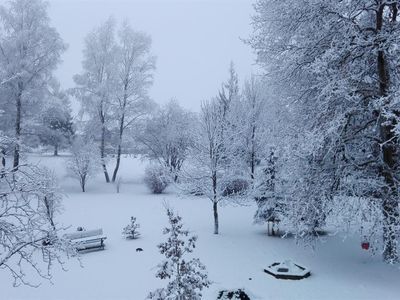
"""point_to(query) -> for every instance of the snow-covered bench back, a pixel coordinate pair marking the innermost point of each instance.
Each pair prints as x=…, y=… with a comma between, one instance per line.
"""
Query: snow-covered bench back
x=84, y=234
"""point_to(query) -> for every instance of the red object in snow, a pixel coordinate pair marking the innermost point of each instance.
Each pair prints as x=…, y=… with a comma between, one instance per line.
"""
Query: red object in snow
x=365, y=245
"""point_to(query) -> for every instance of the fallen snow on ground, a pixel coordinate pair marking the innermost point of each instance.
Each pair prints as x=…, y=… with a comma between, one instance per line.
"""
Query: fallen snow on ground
x=234, y=259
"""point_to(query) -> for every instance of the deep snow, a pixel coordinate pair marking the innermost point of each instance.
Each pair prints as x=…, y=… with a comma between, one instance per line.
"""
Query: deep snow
x=340, y=269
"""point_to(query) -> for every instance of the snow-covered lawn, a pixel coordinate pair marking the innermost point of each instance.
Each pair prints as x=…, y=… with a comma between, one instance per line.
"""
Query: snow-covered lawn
x=234, y=259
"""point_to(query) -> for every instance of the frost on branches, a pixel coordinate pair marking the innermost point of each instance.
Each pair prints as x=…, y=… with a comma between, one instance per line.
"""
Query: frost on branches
x=83, y=163
x=29, y=243
x=30, y=52
x=187, y=277
x=335, y=65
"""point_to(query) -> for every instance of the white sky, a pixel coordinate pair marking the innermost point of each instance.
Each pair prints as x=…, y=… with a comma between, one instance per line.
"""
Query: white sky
x=194, y=41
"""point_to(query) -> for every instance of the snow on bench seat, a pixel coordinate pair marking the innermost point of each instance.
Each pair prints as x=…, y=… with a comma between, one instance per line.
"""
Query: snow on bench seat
x=87, y=240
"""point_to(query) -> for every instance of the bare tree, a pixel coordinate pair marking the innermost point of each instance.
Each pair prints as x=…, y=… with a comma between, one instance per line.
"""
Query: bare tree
x=205, y=171
x=28, y=229
x=167, y=136
x=83, y=164
x=134, y=76
x=96, y=85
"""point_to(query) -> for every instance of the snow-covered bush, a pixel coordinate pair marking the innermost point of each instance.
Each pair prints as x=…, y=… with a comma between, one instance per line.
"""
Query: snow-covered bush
x=157, y=178
x=236, y=294
x=235, y=186
x=131, y=231
x=187, y=278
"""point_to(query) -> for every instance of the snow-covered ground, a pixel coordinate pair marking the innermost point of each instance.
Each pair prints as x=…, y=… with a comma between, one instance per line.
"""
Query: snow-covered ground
x=234, y=259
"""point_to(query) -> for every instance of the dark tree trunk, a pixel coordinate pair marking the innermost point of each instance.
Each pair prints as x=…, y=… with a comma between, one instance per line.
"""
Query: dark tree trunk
x=3, y=158
x=55, y=150
x=114, y=177
x=216, y=223
x=119, y=150
x=18, y=103
x=390, y=207
x=49, y=212
x=83, y=183
x=215, y=203
x=3, y=163
x=121, y=131
x=102, y=152
x=253, y=152
x=103, y=145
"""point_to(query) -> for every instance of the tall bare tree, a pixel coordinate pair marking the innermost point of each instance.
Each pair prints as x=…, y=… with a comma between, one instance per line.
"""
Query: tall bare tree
x=96, y=85
x=135, y=66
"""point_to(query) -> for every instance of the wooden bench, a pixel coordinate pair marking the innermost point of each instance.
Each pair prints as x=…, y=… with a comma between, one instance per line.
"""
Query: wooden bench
x=87, y=240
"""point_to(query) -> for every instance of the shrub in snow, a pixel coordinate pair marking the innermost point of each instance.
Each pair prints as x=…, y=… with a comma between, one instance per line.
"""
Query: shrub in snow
x=238, y=295
x=157, y=178
x=131, y=231
x=187, y=278
x=235, y=186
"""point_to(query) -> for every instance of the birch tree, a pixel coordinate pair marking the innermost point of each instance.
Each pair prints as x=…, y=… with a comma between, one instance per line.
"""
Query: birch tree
x=30, y=50
x=135, y=66
x=96, y=85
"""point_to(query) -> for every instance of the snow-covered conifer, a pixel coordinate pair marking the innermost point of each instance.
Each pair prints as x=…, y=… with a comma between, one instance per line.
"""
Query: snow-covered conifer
x=131, y=231
x=186, y=276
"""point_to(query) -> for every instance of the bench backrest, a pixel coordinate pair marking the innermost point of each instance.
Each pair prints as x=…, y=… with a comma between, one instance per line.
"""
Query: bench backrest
x=84, y=234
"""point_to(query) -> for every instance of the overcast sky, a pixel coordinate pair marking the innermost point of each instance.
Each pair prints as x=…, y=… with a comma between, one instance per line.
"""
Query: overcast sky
x=194, y=41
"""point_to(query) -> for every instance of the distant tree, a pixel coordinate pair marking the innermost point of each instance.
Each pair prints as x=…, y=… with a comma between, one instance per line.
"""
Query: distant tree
x=56, y=128
x=30, y=51
x=96, y=85
x=250, y=114
x=134, y=68
x=205, y=172
x=187, y=278
x=83, y=163
x=270, y=202
x=167, y=136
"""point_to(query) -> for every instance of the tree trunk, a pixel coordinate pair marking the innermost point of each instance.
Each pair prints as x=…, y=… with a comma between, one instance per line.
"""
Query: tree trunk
x=390, y=208
x=215, y=203
x=18, y=103
x=3, y=158
x=216, y=224
x=121, y=132
x=83, y=183
x=114, y=177
x=253, y=153
x=102, y=151
x=3, y=163
x=55, y=150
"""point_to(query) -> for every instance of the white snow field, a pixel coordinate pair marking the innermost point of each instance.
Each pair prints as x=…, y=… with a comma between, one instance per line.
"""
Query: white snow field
x=340, y=269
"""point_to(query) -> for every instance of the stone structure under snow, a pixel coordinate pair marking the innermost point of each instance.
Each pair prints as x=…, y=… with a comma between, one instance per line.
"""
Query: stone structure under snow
x=287, y=270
